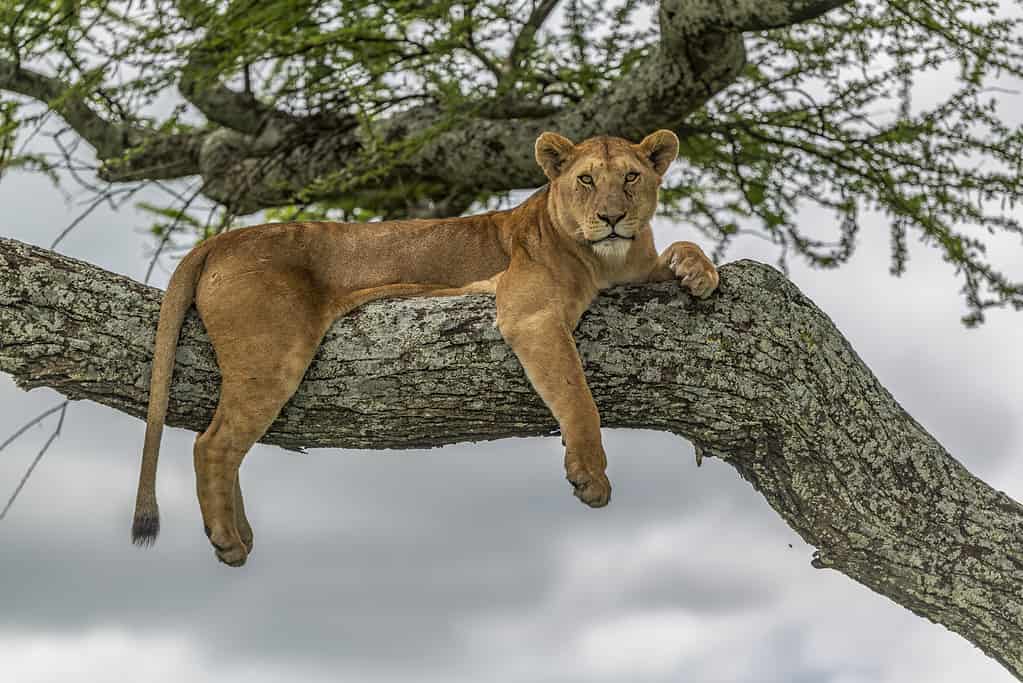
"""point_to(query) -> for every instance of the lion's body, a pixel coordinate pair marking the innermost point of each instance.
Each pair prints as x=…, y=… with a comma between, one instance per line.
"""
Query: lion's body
x=267, y=295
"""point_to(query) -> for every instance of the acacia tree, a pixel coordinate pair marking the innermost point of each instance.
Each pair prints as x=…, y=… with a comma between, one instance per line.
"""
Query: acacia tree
x=357, y=110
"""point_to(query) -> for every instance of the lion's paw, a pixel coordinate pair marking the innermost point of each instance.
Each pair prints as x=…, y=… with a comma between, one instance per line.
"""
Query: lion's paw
x=693, y=269
x=590, y=484
x=228, y=546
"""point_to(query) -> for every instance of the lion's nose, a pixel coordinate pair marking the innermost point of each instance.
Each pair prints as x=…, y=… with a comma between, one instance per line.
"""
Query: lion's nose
x=611, y=219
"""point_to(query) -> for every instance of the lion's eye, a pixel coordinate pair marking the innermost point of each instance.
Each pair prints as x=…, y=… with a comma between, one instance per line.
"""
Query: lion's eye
x=586, y=179
x=631, y=177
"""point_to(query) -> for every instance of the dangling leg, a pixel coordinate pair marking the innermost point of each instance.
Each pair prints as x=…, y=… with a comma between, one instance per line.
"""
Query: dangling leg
x=539, y=331
x=263, y=350
x=246, y=411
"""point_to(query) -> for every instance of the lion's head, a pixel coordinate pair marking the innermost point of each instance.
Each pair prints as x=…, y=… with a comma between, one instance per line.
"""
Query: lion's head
x=604, y=190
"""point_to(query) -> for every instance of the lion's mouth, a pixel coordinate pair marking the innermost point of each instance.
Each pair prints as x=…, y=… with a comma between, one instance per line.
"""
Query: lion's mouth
x=612, y=237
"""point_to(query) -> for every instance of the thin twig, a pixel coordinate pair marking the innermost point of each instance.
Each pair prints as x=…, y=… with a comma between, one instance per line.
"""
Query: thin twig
x=105, y=196
x=167, y=233
x=31, y=423
x=39, y=456
x=524, y=40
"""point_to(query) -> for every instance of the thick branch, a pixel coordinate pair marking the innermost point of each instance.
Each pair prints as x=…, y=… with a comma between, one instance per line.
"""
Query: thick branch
x=239, y=111
x=200, y=77
x=756, y=375
x=752, y=15
x=131, y=152
x=108, y=139
x=488, y=154
x=700, y=52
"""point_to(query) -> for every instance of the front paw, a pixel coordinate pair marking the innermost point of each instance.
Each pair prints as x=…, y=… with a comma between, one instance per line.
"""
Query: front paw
x=693, y=269
x=589, y=483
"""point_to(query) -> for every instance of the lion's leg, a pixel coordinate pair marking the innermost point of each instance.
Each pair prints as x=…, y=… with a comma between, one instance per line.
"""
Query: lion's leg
x=264, y=345
x=539, y=331
x=547, y=352
x=247, y=409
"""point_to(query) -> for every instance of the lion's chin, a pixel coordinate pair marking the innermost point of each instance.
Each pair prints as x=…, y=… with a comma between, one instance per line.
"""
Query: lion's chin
x=613, y=251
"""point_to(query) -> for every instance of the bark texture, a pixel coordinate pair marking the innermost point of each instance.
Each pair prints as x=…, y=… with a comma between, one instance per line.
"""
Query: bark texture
x=757, y=376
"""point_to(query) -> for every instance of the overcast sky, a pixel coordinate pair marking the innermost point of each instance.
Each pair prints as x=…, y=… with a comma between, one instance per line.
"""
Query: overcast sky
x=475, y=562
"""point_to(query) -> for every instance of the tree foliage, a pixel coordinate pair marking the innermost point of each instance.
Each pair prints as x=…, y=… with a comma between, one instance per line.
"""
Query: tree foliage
x=357, y=110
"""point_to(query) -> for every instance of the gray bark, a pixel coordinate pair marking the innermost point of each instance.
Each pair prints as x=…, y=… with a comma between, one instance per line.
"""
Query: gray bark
x=757, y=376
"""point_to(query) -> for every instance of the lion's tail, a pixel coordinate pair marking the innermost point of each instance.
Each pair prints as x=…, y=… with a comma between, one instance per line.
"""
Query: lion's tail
x=176, y=302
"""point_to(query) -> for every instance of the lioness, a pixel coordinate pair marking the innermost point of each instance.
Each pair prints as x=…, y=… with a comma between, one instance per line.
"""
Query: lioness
x=267, y=295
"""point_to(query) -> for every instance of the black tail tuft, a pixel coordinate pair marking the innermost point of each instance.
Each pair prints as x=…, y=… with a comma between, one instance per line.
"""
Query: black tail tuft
x=144, y=530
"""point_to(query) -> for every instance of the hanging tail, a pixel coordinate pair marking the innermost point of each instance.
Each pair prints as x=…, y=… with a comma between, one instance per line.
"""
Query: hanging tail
x=176, y=302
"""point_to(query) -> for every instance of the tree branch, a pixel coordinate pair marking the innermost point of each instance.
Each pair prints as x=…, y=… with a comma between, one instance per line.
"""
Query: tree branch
x=109, y=139
x=756, y=375
x=480, y=153
x=264, y=157
x=683, y=72
x=129, y=152
x=480, y=54
x=750, y=15
x=238, y=111
x=524, y=39
x=700, y=52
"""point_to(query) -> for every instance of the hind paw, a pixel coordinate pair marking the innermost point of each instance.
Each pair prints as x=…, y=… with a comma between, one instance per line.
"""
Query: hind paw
x=228, y=546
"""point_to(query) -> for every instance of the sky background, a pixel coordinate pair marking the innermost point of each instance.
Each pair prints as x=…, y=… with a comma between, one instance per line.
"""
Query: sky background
x=475, y=562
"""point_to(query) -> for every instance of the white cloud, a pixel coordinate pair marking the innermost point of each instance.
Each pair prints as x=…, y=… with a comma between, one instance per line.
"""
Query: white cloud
x=107, y=654
x=641, y=645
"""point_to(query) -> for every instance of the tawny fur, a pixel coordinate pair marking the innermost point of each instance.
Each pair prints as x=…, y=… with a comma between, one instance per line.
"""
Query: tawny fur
x=267, y=295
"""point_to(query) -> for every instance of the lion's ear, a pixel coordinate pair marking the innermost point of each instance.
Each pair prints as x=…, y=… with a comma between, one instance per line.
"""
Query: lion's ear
x=552, y=151
x=661, y=148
